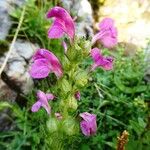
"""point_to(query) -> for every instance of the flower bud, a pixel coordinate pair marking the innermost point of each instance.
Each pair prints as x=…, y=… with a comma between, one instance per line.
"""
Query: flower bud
x=65, y=86
x=81, y=79
x=72, y=103
x=66, y=64
x=86, y=47
x=52, y=125
x=70, y=126
x=77, y=95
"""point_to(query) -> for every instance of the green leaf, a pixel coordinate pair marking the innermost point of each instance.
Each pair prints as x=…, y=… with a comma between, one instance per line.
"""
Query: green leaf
x=4, y=105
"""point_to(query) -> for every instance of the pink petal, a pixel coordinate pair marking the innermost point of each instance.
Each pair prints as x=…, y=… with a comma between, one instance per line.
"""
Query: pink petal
x=61, y=14
x=41, y=96
x=36, y=106
x=47, y=107
x=107, y=34
x=106, y=23
x=101, y=61
x=107, y=63
x=109, y=41
x=85, y=128
x=93, y=126
x=96, y=37
x=50, y=96
x=39, y=69
x=96, y=54
x=88, y=124
x=88, y=117
x=51, y=62
x=54, y=63
x=44, y=101
x=56, y=30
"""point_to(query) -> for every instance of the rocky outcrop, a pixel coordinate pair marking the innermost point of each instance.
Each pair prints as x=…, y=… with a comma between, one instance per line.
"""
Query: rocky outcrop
x=16, y=71
x=15, y=80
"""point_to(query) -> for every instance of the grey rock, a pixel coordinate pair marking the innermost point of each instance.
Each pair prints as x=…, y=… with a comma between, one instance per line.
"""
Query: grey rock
x=17, y=66
x=6, y=93
x=25, y=49
x=83, y=11
x=6, y=6
x=5, y=22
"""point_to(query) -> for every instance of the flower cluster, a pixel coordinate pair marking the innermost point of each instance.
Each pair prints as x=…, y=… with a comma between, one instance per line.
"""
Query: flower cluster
x=45, y=62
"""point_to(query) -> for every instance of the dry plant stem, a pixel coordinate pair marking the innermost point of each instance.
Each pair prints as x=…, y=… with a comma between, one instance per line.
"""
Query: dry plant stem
x=122, y=140
x=13, y=42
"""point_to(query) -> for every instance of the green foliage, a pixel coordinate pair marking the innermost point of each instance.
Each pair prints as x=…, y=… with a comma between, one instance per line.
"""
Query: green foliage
x=35, y=25
x=116, y=111
x=118, y=98
x=28, y=129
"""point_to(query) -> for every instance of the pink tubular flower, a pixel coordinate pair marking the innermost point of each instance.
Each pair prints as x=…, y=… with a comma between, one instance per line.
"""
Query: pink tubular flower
x=42, y=101
x=101, y=61
x=63, y=23
x=77, y=95
x=107, y=34
x=88, y=124
x=44, y=63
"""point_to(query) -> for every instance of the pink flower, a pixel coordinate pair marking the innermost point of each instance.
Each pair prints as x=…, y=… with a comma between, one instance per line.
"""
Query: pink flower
x=42, y=101
x=101, y=61
x=44, y=63
x=107, y=34
x=63, y=23
x=88, y=124
x=77, y=95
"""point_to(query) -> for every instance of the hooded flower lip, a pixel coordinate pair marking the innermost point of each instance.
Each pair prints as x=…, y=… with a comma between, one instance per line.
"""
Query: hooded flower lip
x=101, y=61
x=107, y=34
x=42, y=102
x=88, y=124
x=63, y=23
x=45, y=62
